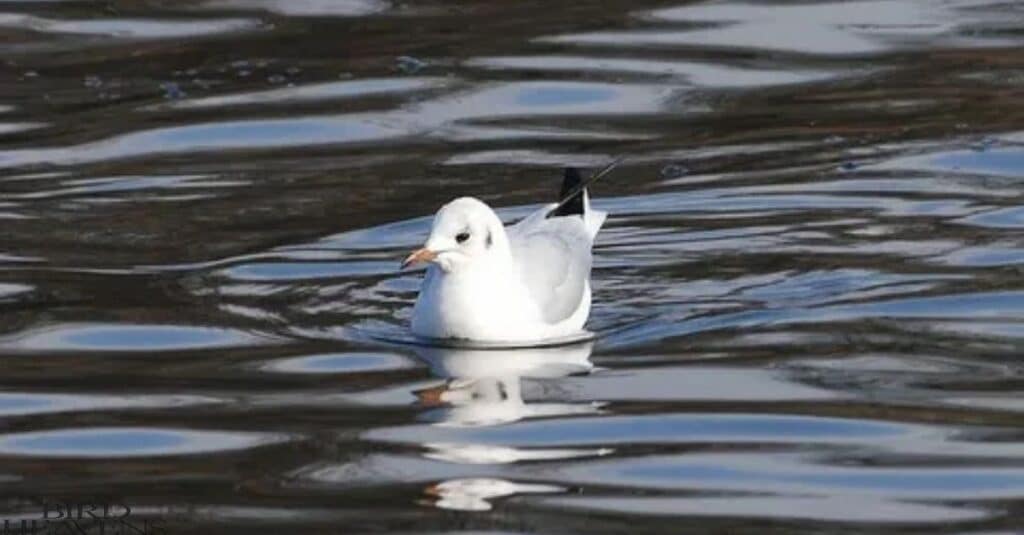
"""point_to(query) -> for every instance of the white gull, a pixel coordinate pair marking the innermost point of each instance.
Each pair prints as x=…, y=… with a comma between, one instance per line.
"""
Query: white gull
x=522, y=284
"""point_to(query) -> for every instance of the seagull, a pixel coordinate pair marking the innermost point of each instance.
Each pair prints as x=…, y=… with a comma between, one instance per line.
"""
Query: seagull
x=528, y=283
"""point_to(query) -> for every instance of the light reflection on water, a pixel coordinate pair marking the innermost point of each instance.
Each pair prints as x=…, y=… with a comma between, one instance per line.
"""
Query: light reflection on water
x=808, y=309
x=124, y=442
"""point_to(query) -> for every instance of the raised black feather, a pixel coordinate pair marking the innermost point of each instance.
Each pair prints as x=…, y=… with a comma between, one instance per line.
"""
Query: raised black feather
x=570, y=205
x=570, y=200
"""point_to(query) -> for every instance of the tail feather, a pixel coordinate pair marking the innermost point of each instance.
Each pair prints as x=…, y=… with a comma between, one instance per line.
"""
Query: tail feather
x=593, y=219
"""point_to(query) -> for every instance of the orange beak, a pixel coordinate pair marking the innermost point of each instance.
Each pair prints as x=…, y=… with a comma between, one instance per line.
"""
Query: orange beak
x=419, y=256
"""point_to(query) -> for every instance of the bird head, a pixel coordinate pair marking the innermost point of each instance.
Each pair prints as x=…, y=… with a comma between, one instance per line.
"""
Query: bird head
x=464, y=231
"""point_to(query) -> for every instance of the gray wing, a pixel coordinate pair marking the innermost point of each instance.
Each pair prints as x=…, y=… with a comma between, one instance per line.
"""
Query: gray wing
x=554, y=258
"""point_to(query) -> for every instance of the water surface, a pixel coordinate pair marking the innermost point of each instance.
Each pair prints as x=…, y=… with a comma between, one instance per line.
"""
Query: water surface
x=808, y=294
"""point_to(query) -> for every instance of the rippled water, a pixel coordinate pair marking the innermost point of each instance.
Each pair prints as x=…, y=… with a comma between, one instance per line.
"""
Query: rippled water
x=808, y=294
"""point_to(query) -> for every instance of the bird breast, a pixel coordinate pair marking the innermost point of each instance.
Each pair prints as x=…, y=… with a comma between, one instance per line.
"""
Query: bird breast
x=475, y=304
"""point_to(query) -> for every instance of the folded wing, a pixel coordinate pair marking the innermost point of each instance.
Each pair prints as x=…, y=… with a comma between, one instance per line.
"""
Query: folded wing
x=554, y=257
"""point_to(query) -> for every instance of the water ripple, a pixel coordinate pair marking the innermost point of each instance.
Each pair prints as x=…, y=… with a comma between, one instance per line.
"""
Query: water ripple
x=107, y=442
x=107, y=337
x=808, y=311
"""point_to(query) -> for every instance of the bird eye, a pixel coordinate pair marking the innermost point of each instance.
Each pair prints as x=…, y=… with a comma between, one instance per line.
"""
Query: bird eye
x=461, y=237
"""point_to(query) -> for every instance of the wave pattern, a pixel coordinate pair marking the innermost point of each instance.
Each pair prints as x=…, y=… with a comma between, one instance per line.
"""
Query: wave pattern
x=808, y=298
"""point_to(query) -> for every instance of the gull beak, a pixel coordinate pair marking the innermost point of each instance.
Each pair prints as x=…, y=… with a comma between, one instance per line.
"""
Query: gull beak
x=419, y=256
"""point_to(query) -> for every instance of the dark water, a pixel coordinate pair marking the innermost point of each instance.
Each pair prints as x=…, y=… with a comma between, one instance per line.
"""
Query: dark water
x=809, y=290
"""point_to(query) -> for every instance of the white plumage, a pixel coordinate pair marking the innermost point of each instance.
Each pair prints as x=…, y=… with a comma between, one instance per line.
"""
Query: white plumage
x=526, y=283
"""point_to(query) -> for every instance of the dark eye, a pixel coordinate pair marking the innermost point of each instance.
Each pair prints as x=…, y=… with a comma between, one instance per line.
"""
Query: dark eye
x=461, y=237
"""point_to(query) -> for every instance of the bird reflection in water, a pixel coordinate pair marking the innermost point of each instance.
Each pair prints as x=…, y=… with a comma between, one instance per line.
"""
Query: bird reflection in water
x=484, y=387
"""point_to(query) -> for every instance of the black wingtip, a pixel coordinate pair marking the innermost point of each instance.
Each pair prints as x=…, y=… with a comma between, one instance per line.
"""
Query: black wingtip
x=574, y=189
x=571, y=205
